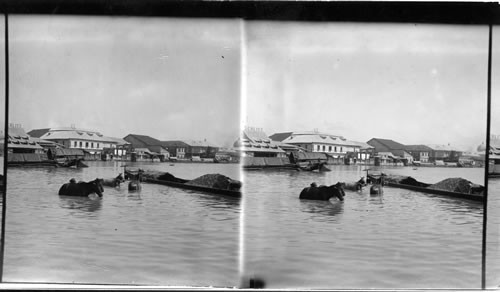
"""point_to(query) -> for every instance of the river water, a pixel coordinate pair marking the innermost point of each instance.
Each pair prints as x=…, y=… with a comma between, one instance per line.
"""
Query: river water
x=166, y=236
x=402, y=239
x=493, y=234
x=160, y=236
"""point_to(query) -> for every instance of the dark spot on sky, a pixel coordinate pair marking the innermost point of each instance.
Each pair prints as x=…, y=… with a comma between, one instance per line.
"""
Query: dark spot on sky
x=222, y=57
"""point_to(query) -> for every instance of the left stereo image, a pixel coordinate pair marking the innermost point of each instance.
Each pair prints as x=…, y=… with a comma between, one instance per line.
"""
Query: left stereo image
x=118, y=168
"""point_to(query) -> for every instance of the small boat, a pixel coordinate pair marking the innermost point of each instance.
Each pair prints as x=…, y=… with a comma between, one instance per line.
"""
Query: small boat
x=74, y=163
x=320, y=166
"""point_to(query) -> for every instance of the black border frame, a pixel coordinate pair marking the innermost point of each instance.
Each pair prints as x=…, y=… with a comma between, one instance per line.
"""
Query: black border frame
x=466, y=13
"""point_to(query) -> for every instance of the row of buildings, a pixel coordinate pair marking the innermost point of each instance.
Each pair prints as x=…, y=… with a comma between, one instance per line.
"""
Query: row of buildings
x=255, y=143
x=98, y=146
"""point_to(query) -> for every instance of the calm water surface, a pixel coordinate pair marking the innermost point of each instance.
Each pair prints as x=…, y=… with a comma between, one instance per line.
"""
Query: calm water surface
x=493, y=234
x=402, y=239
x=161, y=235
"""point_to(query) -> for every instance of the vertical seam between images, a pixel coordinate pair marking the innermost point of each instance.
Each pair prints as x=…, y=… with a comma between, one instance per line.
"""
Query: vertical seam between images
x=5, y=150
x=243, y=85
x=487, y=156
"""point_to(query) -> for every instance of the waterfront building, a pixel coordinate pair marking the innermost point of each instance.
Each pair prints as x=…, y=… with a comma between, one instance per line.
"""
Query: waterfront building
x=255, y=143
x=190, y=149
x=19, y=141
x=146, y=148
x=90, y=141
x=227, y=155
x=176, y=148
x=419, y=153
x=314, y=141
x=387, y=150
x=494, y=156
x=202, y=149
x=445, y=153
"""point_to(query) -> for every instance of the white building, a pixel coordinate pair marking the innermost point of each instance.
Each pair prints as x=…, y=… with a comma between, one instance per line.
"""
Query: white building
x=73, y=138
x=312, y=141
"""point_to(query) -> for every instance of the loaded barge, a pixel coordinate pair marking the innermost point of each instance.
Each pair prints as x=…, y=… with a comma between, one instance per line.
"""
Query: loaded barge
x=209, y=183
x=451, y=187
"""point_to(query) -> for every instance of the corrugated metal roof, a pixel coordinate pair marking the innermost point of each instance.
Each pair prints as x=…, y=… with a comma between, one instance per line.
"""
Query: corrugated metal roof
x=319, y=139
x=76, y=134
x=18, y=138
x=256, y=149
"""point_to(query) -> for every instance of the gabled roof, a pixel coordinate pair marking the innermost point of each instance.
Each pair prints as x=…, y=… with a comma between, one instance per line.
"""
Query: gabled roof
x=37, y=133
x=280, y=136
x=147, y=140
x=19, y=139
x=320, y=138
x=256, y=140
x=391, y=144
x=65, y=133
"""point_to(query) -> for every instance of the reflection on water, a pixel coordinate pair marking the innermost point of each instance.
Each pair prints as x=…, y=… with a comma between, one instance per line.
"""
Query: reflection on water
x=401, y=239
x=86, y=204
x=159, y=236
x=333, y=208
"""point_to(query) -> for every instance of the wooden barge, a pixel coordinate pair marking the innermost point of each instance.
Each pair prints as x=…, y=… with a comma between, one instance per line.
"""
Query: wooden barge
x=231, y=193
x=474, y=197
x=409, y=183
x=167, y=179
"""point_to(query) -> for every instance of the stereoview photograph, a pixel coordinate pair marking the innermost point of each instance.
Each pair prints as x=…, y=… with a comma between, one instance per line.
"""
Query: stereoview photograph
x=232, y=153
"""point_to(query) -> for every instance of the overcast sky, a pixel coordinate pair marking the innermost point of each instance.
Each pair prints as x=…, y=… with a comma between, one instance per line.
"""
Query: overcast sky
x=415, y=84
x=166, y=78
x=180, y=78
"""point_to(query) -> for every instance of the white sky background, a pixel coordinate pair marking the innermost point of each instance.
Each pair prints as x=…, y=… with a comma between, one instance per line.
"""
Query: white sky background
x=166, y=78
x=415, y=84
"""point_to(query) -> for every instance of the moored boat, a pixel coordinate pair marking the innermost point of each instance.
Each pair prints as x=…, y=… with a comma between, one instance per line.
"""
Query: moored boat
x=472, y=196
x=209, y=183
x=451, y=187
x=231, y=193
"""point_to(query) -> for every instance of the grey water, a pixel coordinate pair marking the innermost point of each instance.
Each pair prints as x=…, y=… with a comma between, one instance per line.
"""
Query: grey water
x=402, y=239
x=167, y=236
x=158, y=236
x=493, y=235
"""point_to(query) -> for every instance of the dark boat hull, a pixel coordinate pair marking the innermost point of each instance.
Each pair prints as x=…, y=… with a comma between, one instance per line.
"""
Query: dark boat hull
x=473, y=197
x=235, y=194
